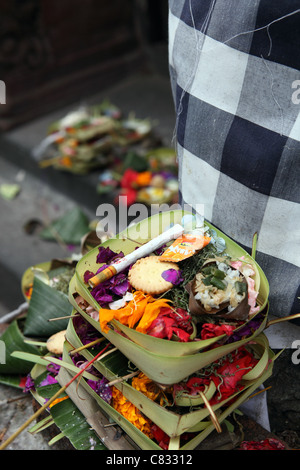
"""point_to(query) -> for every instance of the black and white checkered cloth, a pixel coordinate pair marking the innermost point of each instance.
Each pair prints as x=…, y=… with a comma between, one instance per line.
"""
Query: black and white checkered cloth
x=235, y=75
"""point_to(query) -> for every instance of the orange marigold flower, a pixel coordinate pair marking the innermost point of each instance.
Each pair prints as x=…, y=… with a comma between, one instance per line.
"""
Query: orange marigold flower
x=58, y=400
x=144, y=178
x=143, y=384
x=130, y=412
x=66, y=161
x=143, y=309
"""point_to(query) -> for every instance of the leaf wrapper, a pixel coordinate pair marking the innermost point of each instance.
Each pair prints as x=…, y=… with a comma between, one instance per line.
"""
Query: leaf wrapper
x=241, y=312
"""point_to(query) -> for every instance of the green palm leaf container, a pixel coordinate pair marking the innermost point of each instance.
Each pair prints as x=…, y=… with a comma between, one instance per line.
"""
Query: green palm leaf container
x=169, y=419
x=162, y=368
x=162, y=360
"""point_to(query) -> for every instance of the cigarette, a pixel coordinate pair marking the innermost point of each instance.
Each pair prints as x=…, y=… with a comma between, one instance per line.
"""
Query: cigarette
x=144, y=250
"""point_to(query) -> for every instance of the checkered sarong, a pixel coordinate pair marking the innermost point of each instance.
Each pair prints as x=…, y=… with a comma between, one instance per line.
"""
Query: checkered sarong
x=235, y=76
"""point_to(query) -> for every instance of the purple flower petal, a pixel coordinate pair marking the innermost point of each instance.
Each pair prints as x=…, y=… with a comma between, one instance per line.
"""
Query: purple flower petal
x=93, y=384
x=53, y=368
x=121, y=289
x=101, y=296
x=48, y=381
x=104, y=390
x=85, y=330
x=100, y=289
x=246, y=330
x=117, y=279
x=105, y=299
x=159, y=251
x=173, y=276
x=87, y=275
x=117, y=285
x=106, y=254
x=101, y=388
x=117, y=257
x=29, y=384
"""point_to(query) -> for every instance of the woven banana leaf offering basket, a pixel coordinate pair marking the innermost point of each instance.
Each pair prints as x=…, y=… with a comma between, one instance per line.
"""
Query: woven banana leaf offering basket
x=169, y=417
x=154, y=310
x=164, y=338
x=181, y=310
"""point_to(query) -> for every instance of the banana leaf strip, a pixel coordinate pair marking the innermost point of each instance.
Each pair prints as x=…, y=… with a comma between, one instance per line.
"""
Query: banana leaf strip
x=13, y=339
x=46, y=303
x=67, y=416
x=70, y=228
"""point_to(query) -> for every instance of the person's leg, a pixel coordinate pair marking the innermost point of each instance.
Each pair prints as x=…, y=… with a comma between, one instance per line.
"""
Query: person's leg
x=235, y=71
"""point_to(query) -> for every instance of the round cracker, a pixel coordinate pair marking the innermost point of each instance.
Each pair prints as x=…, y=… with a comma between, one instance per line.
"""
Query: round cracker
x=146, y=275
x=56, y=342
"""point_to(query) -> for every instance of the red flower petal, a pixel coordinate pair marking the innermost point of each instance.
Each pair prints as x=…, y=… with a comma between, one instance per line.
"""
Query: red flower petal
x=194, y=384
x=181, y=334
x=211, y=330
x=22, y=382
x=266, y=444
x=231, y=373
x=170, y=322
x=130, y=196
x=129, y=178
x=160, y=436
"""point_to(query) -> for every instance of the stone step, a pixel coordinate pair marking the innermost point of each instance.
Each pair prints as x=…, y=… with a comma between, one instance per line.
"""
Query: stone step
x=146, y=96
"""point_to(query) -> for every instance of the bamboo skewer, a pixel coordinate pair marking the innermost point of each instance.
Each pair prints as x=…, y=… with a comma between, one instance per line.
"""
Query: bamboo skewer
x=106, y=354
x=51, y=400
x=260, y=391
x=86, y=346
x=212, y=413
x=282, y=319
x=121, y=379
x=63, y=318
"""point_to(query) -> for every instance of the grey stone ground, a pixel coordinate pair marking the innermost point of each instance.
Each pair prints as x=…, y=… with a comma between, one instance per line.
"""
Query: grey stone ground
x=42, y=196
